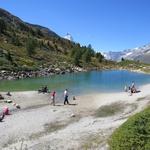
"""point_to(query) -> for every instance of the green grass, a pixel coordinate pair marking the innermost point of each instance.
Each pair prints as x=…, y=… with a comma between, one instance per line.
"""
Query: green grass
x=134, y=65
x=134, y=134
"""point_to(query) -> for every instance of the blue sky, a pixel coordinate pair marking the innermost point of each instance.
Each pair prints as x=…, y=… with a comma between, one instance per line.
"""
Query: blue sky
x=105, y=24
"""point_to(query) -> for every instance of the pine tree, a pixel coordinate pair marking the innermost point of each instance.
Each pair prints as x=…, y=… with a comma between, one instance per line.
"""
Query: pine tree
x=86, y=56
x=2, y=26
x=99, y=56
x=30, y=46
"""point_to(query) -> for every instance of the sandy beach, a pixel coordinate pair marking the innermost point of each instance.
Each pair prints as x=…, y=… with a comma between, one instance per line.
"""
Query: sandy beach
x=85, y=124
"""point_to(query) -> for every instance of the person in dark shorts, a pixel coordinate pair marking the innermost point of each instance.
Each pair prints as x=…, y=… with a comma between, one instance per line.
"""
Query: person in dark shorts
x=66, y=97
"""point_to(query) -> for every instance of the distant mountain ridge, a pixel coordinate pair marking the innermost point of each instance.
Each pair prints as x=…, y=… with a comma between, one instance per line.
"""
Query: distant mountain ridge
x=68, y=37
x=141, y=54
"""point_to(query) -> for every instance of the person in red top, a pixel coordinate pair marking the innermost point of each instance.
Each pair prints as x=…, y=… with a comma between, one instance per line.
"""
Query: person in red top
x=53, y=94
x=6, y=111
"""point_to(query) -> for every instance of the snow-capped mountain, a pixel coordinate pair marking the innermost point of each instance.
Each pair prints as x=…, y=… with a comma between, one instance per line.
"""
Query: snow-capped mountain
x=68, y=37
x=140, y=53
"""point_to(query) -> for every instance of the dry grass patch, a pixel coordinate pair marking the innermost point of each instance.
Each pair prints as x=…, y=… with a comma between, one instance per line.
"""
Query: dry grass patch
x=52, y=127
x=9, y=141
x=48, y=128
x=110, y=110
x=92, y=141
x=141, y=99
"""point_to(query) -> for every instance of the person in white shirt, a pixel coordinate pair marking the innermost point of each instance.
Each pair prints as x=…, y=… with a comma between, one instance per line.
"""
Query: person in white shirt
x=66, y=97
x=133, y=84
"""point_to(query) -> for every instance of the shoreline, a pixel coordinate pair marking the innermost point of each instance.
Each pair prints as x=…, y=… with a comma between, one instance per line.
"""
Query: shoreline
x=34, y=99
x=142, y=88
x=42, y=72
x=47, y=72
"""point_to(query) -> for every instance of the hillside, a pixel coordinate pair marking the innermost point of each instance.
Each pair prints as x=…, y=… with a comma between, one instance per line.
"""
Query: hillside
x=28, y=47
x=28, y=50
x=19, y=39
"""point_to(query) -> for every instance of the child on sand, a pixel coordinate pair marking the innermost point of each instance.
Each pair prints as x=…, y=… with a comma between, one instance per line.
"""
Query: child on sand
x=53, y=94
x=6, y=111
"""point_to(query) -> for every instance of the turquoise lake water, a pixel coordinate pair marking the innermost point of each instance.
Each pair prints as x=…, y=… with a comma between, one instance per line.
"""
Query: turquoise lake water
x=80, y=83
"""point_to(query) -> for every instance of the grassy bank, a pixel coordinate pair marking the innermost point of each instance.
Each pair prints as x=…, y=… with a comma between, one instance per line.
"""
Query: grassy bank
x=134, y=134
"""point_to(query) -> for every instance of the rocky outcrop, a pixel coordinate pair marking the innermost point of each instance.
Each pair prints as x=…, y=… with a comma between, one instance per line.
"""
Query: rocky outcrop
x=42, y=72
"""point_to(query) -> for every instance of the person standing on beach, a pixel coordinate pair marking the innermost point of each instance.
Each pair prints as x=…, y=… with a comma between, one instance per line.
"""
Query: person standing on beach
x=125, y=88
x=66, y=97
x=130, y=91
x=133, y=84
x=53, y=94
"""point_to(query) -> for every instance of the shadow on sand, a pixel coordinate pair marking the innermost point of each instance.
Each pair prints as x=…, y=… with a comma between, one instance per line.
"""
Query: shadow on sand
x=66, y=104
x=72, y=104
x=138, y=91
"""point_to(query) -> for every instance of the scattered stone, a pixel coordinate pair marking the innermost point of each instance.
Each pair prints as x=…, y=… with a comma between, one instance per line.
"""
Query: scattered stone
x=74, y=98
x=17, y=105
x=73, y=115
x=8, y=101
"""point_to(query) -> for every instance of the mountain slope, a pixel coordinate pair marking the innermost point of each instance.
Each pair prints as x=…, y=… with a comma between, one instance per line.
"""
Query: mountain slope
x=16, y=22
x=24, y=45
x=28, y=47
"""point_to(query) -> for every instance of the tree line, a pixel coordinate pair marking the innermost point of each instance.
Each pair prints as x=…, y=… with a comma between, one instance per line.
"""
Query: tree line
x=84, y=54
